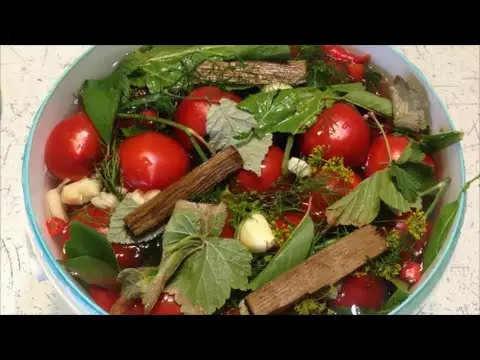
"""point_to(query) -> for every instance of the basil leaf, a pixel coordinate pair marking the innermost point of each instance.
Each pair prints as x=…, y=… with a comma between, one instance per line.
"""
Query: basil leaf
x=292, y=253
x=92, y=271
x=371, y=102
x=433, y=143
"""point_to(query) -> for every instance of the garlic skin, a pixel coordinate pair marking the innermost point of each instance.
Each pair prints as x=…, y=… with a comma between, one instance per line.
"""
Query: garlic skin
x=137, y=196
x=255, y=233
x=276, y=86
x=105, y=201
x=299, y=167
x=54, y=202
x=81, y=191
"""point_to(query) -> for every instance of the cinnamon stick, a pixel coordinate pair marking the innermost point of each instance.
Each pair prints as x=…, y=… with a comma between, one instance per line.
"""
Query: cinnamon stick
x=200, y=180
x=324, y=268
x=253, y=72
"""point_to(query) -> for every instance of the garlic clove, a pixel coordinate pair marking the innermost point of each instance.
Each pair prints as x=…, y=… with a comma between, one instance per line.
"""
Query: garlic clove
x=255, y=233
x=276, y=86
x=149, y=195
x=299, y=167
x=105, y=201
x=54, y=202
x=137, y=196
x=81, y=191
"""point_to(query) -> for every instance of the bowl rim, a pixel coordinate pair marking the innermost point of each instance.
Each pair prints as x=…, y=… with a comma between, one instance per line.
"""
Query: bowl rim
x=64, y=279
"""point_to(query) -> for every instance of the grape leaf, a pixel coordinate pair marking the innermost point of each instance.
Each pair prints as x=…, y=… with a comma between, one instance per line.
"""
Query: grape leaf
x=292, y=253
x=225, y=122
x=118, y=232
x=207, y=276
x=412, y=152
x=433, y=143
x=91, y=270
x=408, y=106
x=370, y=102
x=407, y=184
x=389, y=194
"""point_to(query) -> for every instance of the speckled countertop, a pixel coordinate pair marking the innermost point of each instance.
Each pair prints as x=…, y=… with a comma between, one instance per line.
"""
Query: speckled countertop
x=29, y=72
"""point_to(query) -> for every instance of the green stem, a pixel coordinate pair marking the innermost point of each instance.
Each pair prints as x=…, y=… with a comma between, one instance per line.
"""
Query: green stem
x=441, y=190
x=198, y=149
x=189, y=240
x=171, y=123
x=286, y=156
x=380, y=127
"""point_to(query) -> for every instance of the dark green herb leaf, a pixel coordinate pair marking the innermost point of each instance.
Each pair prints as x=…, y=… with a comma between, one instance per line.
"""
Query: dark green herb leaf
x=372, y=78
x=397, y=298
x=292, y=253
x=132, y=131
x=161, y=102
x=85, y=241
x=91, y=270
x=346, y=88
x=423, y=173
x=433, y=143
x=389, y=194
x=136, y=281
x=319, y=73
x=407, y=184
x=371, y=102
x=412, y=152
x=408, y=106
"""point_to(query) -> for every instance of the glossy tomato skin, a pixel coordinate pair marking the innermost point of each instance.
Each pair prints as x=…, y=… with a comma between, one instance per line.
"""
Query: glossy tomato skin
x=97, y=219
x=152, y=161
x=356, y=71
x=415, y=248
x=411, y=272
x=228, y=231
x=365, y=291
x=343, y=132
x=128, y=256
x=104, y=298
x=271, y=171
x=166, y=305
x=192, y=111
x=288, y=220
x=378, y=155
x=127, y=123
x=73, y=148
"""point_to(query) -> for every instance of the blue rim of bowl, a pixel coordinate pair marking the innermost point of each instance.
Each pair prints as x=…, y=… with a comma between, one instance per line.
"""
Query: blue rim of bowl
x=415, y=298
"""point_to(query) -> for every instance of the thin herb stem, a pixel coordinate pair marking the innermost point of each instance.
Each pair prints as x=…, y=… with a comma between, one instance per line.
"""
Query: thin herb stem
x=286, y=156
x=380, y=127
x=198, y=148
x=185, y=129
x=438, y=196
x=435, y=188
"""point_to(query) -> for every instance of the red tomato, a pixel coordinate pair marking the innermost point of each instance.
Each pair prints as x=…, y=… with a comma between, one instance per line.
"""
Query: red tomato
x=228, y=231
x=288, y=219
x=136, y=308
x=271, y=171
x=73, y=148
x=192, y=111
x=411, y=272
x=152, y=161
x=127, y=123
x=356, y=71
x=128, y=256
x=166, y=305
x=104, y=298
x=378, y=155
x=294, y=50
x=232, y=311
x=415, y=247
x=343, y=132
x=364, y=291
x=56, y=226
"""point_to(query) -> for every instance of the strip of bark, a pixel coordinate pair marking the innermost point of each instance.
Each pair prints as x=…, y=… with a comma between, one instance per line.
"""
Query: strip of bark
x=322, y=269
x=200, y=180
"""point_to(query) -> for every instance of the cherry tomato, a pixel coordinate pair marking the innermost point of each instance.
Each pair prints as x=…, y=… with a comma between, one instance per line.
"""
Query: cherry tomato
x=166, y=305
x=152, y=161
x=192, y=111
x=128, y=256
x=294, y=50
x=356, y=71
x=343, y=132
x=378, y=154
x=414, y=248
x=411, y=272
x=136, y=308
x=105, y=298
x=232, y=311
x=271, y=171
x=56, y=226
x=127, y=123
x=97, y=219
x=288, y=220
x=73, y=148
x=228, y=231
x=364, y=291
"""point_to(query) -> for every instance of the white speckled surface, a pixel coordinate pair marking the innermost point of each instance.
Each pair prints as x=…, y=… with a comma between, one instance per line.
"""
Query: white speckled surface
x=29, y=72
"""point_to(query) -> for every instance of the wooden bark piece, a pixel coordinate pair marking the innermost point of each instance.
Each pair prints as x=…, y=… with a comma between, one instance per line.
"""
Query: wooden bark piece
x=200, y=180
x=253, y=72
x=324, y=268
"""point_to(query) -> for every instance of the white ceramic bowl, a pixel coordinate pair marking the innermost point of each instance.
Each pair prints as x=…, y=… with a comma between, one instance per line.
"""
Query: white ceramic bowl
x=98, y=61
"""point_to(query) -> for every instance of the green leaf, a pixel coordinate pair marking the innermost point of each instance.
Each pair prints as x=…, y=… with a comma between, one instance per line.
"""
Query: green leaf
x=389, y=194
x=440, y=232
x=412, y=152
x=409, y=106
x=292, y=253
x=397, y=298
x=423, y=173
x=359, y=207
x=207, y=276
x=225, y=122
x=346, y=88
x=433, y=143
x=132, y=131
x=85, y=241
x=319, y=73
x=135, y=281
x=371, y=102
x=92, y=270
x=407, y=184
x=194, y=220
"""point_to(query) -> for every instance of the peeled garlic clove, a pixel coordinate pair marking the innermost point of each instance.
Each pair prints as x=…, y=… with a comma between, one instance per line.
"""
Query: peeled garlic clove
x=137, y=196
x=81, y=191
x=255, y=233
x=276, y=86
x=54, y=202
x=105, y=201
x=299, y=167
x=150, y=194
